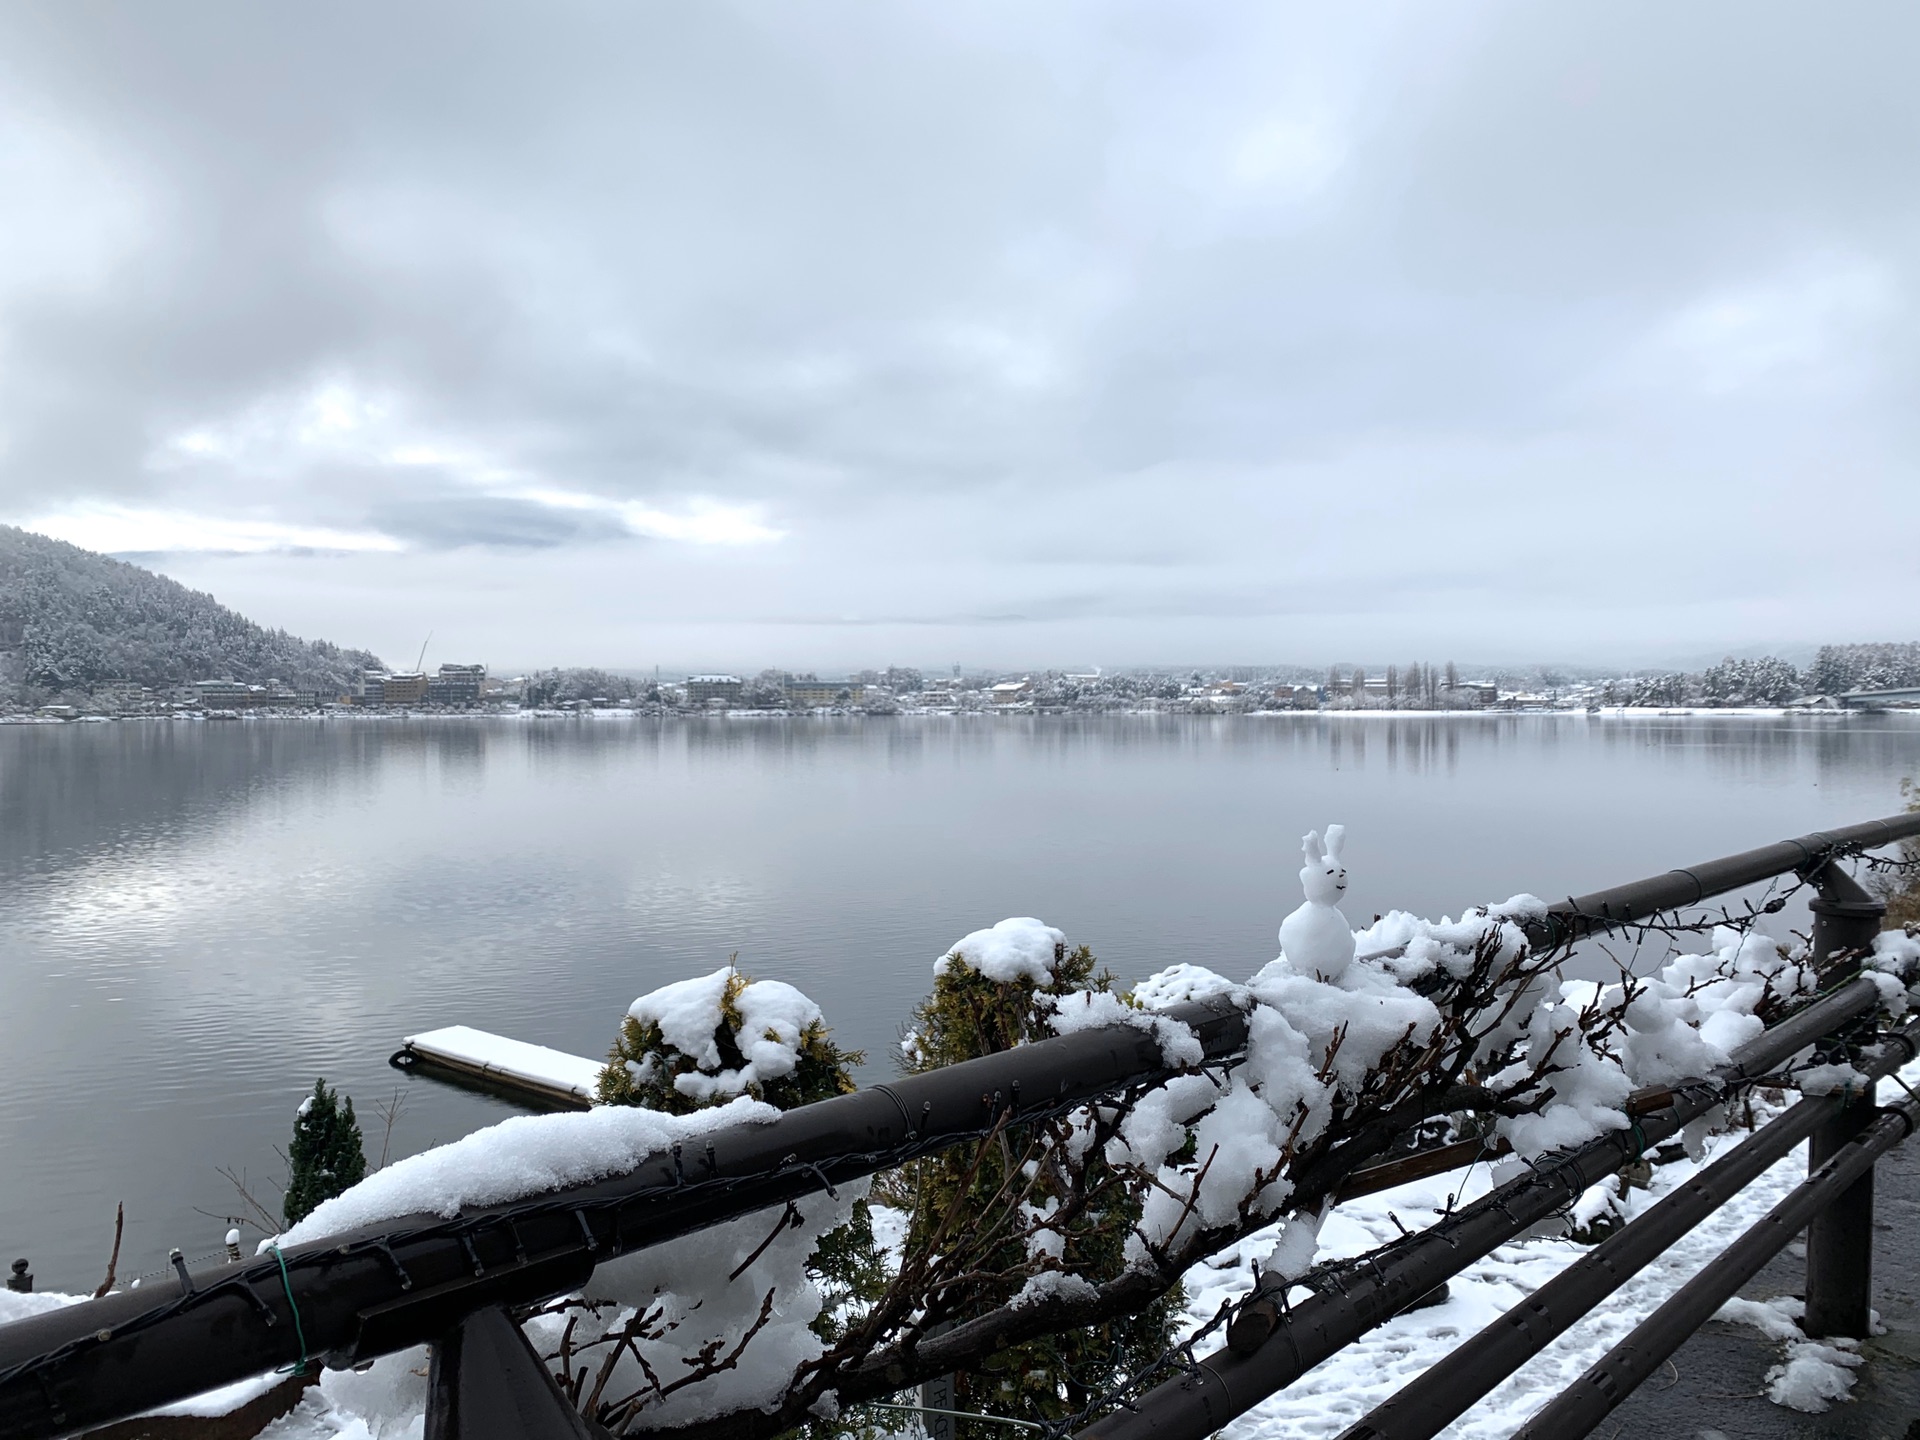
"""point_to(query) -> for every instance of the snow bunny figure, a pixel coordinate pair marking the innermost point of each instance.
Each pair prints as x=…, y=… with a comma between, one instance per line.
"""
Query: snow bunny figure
x=1315, y=939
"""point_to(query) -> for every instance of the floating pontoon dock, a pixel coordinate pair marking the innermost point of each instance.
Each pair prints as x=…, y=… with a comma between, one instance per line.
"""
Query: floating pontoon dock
x=550, y=1078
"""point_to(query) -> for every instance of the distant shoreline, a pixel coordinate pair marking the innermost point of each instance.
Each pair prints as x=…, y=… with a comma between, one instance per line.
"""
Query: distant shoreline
x=614, y=714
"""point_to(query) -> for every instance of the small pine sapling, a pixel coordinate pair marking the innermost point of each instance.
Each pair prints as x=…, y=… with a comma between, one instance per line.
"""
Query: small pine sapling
x=326, y=1156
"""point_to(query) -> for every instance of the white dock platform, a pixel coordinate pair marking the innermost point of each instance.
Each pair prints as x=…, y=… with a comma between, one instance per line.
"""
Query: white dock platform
x=550, y=1076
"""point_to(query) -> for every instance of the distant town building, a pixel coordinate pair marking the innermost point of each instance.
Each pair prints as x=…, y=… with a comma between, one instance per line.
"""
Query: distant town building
x=457, y=685
x=407, y=688
x=805, y=692
x=1011, y=692
x=120, y=694
x=702, y=688
x=379, y=688
x=235, y=695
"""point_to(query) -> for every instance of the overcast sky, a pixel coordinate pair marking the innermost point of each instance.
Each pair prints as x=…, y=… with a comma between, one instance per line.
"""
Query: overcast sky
x=832, y=334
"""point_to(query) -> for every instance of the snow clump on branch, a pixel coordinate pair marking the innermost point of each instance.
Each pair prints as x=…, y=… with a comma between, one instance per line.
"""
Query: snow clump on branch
x=671, y=1317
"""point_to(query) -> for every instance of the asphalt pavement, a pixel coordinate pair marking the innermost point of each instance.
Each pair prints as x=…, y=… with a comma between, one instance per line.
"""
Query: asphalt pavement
x=1714, y=1388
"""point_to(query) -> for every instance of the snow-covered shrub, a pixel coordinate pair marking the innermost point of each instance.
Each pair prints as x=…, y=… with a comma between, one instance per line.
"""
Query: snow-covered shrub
x=683, y=1331
x=692, y=1043
x=1036, y=1211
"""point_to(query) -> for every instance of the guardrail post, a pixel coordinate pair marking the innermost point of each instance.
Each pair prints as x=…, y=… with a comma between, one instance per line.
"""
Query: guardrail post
x=1840, y=1241
x=485, y=1382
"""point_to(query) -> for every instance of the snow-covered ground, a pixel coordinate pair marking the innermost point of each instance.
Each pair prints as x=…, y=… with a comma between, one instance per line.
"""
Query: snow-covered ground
x=1341, y=1390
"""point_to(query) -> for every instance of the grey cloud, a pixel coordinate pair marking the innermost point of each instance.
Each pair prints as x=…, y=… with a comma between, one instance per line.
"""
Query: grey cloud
x=453, y=522
x=1183, y=297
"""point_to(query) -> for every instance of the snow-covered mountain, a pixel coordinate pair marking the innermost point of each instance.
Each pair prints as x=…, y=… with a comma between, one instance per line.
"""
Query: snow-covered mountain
x=71, y=619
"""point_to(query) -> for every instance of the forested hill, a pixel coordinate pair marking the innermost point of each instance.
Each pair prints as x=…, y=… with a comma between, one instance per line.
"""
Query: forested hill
x=70, y=619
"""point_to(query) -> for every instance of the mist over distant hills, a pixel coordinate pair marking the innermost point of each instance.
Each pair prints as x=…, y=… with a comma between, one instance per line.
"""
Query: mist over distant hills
x=71, y=619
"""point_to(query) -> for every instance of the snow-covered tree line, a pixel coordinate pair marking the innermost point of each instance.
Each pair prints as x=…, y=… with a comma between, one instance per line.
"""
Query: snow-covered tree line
x=1764, y=681
x=1040, y=1267
x=561, y=686
x=1769, y=680
x=71, y=619
x=1863, y=667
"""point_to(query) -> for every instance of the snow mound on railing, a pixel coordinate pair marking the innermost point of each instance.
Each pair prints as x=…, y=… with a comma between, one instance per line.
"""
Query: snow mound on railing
x=1095, y=1009
x=518, y=1159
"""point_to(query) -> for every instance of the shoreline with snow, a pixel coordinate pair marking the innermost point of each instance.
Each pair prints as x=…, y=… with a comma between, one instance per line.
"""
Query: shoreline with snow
x=1025, y=712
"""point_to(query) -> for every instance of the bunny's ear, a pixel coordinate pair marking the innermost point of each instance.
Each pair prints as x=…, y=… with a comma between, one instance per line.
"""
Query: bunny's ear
x=1336, y=838
x=1311, y=847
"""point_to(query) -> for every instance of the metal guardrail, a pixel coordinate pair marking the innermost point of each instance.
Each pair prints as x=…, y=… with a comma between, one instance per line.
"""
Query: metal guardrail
x=387, y=1287
x=429, y=1280
x=1270, y=1345
x=1586, y=1402
x=1427, y=1405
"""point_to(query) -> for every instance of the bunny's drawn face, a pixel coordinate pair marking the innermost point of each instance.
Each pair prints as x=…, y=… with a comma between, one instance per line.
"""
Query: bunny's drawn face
x=1323, y=877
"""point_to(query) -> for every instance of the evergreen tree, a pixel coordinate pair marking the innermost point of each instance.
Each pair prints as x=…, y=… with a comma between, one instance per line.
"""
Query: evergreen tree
x=968, y=1015
x=326, y=1156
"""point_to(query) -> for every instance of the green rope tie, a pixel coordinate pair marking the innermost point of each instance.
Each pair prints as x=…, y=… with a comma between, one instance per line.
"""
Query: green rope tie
x=299, y=1330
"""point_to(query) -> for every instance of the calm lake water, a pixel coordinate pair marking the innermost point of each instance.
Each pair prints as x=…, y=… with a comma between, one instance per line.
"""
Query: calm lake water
x=198, y=919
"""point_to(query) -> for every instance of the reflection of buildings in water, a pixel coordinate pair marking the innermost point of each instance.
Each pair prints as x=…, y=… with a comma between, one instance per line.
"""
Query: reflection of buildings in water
x=460, y=750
